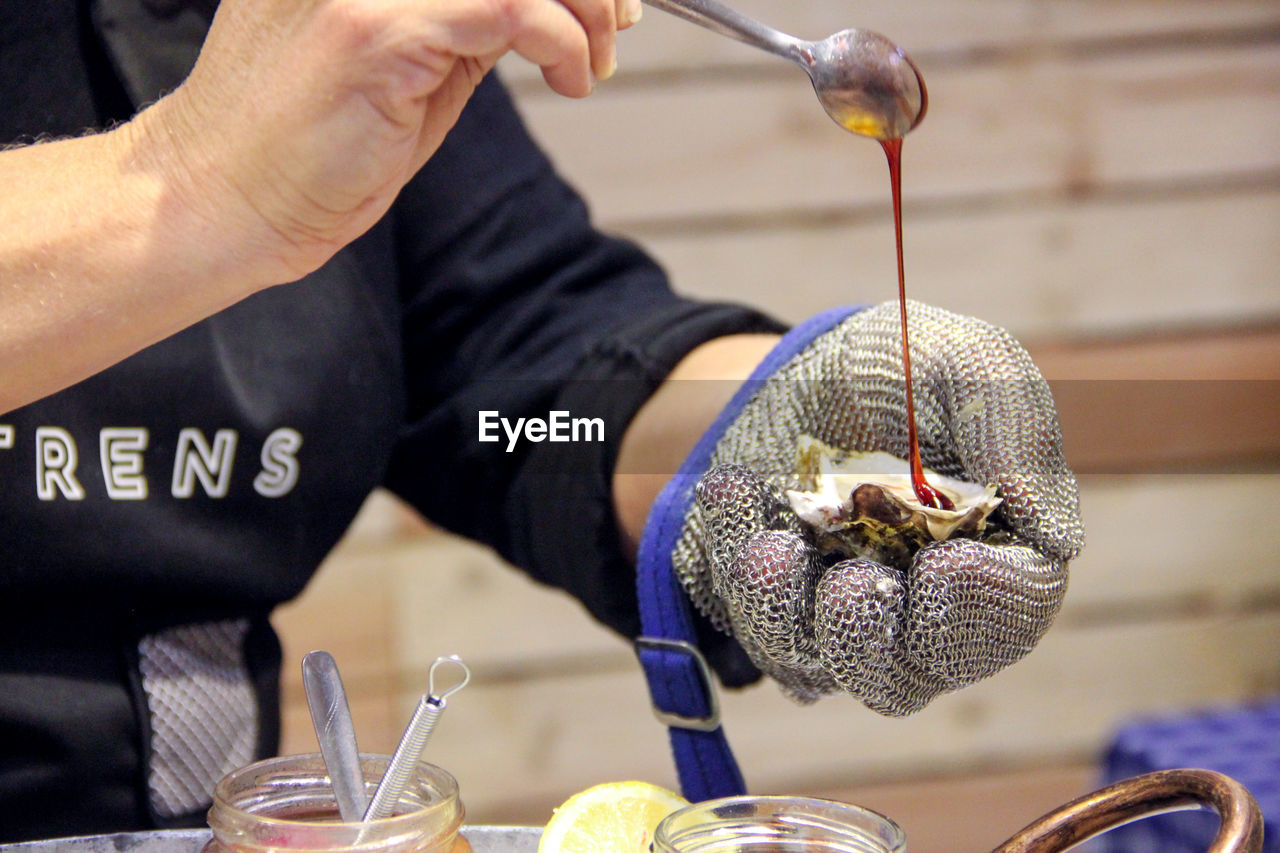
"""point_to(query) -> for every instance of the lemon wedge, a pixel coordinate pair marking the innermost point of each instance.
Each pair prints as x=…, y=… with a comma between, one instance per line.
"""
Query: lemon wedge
x=614, y=817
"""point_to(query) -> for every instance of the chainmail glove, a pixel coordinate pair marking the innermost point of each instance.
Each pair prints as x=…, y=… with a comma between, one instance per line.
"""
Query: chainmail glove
x=958, y=610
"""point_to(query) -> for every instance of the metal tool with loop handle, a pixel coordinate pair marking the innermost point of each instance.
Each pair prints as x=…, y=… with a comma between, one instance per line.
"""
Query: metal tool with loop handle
x=414, y=739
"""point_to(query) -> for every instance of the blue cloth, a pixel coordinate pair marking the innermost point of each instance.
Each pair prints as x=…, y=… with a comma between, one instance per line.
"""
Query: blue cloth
x=1241, y=742
x=704, y=760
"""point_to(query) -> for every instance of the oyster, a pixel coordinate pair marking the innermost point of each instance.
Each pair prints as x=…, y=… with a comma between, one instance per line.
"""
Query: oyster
x=863, y=505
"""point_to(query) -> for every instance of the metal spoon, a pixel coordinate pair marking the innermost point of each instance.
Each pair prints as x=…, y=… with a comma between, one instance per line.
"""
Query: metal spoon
x=864, y=81
x=331, y=717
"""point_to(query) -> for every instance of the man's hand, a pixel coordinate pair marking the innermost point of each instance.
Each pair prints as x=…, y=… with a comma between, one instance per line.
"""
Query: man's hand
x=302, y=120
x=298, y=126
x=963, y=609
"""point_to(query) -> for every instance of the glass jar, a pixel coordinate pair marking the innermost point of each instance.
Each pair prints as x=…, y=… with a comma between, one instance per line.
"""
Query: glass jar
x=287, y=804
x=777, y=825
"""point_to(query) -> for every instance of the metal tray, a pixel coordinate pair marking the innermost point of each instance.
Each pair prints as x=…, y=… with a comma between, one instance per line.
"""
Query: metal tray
x=484, y=839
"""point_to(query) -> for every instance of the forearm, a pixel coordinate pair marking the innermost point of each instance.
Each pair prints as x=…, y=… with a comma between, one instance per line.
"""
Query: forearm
x=670, y=423
x=103, y=253
x=292, y=135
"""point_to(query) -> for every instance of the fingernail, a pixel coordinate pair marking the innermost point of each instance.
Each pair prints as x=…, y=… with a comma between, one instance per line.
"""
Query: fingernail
x=634, y=11
x=613, y=66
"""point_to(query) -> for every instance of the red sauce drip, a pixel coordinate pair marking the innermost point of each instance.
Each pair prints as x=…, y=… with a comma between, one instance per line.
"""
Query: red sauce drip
x=925, y=493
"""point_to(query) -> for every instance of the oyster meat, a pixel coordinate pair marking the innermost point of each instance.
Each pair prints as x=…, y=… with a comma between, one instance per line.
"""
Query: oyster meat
x=863, y=505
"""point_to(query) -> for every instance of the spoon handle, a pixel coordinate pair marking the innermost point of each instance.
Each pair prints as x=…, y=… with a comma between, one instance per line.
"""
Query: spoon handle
x=727, y=21
x=334, y=729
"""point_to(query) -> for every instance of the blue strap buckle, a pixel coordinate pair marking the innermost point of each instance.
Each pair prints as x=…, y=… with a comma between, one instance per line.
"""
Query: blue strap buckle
x=706, y=723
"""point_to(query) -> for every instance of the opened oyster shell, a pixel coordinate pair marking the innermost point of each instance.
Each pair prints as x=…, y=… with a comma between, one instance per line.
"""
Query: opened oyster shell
x=863, y=504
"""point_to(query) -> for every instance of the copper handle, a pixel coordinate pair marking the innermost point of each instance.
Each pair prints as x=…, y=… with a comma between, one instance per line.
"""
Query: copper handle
x=1144, y=796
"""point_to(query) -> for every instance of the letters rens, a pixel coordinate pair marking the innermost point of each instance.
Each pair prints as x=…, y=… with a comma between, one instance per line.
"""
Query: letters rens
x=197, y=460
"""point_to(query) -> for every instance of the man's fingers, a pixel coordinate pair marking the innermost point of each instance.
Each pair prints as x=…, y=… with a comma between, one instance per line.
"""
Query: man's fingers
x=628, y=12
x=551, y=37
x=965, y=611
x=977, y=608
x=545, y=32
x=1004, y=427
x=860, y=622
x=734, y=504
x=574, y=42
x=770, y=586
x=599, y=21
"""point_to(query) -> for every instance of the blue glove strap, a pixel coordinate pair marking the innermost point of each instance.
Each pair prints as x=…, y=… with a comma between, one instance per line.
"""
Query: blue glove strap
x=679, y=684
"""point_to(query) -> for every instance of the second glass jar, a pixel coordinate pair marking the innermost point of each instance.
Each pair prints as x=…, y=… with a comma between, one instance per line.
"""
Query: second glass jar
x=777, y=825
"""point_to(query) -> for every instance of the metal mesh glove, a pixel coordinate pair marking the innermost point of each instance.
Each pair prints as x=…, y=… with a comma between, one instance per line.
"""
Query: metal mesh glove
x=963, y=609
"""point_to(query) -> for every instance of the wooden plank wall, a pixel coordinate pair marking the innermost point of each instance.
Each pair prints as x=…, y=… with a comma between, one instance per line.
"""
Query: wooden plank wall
x=1101, y=178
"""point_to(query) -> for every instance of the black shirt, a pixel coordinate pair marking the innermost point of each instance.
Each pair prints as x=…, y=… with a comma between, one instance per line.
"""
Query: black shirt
x=156, y=512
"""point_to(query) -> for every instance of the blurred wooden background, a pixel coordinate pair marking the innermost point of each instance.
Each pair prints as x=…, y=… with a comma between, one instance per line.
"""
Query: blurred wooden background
x=1101, y=178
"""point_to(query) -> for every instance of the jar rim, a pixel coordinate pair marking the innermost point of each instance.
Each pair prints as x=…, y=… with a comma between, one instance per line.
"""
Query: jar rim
x=440, y=780
x=743, y=807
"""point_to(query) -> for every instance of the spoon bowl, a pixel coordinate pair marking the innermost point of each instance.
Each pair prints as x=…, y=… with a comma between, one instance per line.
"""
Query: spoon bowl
x=865, y=82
